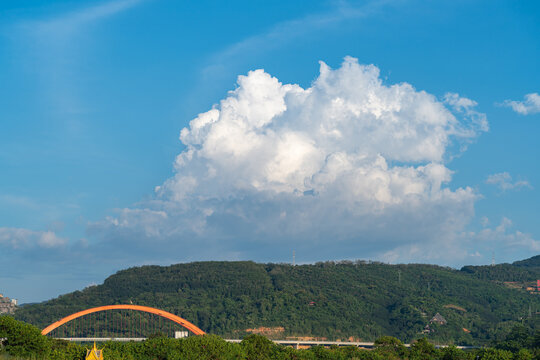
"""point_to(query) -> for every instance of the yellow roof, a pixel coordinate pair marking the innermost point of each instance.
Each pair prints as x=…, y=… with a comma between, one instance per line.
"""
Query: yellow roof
x=94, y=353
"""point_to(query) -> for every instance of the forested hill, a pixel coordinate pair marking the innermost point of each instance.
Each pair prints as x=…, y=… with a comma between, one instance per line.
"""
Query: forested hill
x=525, y=272
x=333, y=300
x=533, y=262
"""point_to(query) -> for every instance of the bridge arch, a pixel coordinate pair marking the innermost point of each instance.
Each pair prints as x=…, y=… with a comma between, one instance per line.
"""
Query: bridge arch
x=177, y=319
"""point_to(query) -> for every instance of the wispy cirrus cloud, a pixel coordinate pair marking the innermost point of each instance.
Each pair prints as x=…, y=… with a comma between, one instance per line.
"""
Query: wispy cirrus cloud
x=51, y=47
x=504, y=182
x=286, y=32
x=529, y=105
x=64, y=24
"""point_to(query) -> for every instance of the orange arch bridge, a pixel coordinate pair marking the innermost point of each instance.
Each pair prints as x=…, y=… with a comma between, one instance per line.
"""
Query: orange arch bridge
x=177, y=319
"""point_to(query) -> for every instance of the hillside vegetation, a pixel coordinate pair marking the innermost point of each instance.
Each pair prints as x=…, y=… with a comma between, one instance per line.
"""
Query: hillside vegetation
x=341, y=300
x=524, y=271
x=21, y=341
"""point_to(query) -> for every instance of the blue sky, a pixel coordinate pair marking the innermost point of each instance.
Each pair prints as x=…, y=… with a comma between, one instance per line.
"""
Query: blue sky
x=414, y=141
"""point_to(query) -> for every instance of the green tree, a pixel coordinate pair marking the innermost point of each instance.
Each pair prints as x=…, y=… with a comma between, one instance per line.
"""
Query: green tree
x=422, y=349
x=523, y=354
x=493, y=354
x=452, y=353
x=208, y=347
x=517, y=339
x=258, y=347
x=390, y=347
x=23, y=339
x=66, y=350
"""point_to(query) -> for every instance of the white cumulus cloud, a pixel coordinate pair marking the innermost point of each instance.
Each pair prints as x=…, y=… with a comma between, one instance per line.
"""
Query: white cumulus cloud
x=530, y=105
x=503, y=237
x=504, y=182
x=476, y=247
x=20, y=238
x=348, y=160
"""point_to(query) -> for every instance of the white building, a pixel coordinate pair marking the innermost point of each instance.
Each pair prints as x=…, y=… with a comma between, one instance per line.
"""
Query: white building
x=7, y=305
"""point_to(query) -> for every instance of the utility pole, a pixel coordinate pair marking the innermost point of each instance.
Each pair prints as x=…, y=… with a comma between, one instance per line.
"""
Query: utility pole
x=399, y=276
x=293, y=258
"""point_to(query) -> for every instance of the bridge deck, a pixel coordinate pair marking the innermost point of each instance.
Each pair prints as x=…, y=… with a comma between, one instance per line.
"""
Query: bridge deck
x=293, y=343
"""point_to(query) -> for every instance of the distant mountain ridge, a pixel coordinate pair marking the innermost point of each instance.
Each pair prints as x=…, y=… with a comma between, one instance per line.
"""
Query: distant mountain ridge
x=335, y=300
x=525, y=271
x=530, y=262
